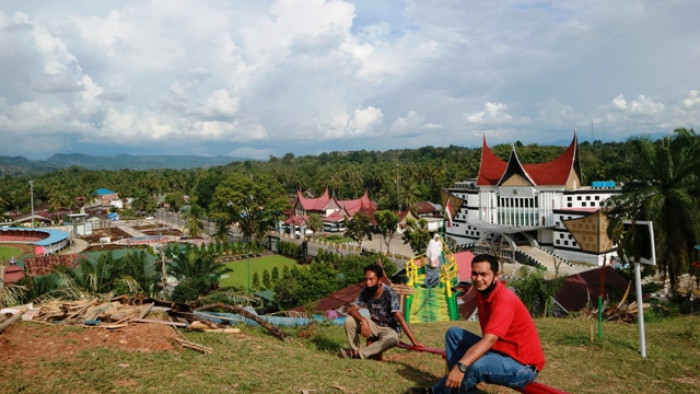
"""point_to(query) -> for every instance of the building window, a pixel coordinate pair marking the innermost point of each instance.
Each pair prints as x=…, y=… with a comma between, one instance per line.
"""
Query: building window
x=568, y=205
x=578, y=198
x=588, y=198
x=583, y=204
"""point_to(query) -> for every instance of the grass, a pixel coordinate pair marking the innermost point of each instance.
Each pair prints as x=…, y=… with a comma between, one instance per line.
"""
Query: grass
x=255, y=362
x=239, y=276
x=6, y=253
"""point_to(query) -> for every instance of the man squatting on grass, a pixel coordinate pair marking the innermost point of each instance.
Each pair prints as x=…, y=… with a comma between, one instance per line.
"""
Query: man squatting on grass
x=385, y=323
x=508, y=354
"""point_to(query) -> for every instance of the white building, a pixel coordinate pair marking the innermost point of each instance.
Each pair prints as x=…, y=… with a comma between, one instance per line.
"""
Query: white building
x=544, y=205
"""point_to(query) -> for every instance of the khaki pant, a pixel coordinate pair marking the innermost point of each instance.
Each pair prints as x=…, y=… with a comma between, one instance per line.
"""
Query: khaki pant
x=384, y=338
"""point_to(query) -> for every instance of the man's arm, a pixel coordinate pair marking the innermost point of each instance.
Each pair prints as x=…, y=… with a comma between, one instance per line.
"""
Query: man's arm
x=455, y=377
x=407, y=329
x=354, y=312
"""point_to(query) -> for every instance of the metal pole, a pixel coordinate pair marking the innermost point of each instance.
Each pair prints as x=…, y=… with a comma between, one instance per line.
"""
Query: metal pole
x=640, y=310
x=31, y=192
x=247, y=259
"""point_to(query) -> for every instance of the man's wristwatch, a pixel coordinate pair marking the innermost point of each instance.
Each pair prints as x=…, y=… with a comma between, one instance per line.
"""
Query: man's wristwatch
x=462, y=367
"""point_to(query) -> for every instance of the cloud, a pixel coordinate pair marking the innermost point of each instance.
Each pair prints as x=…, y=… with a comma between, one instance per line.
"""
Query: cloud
x=363, y=122
x=493, y=113
x=275, y=75
x=693, y=99
x=642, y=105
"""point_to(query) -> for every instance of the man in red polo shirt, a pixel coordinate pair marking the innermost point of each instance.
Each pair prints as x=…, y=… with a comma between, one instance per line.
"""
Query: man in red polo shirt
x=508, y=354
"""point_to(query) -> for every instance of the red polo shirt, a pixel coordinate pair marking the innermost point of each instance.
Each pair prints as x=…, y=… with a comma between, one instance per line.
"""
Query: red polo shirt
x=505, y=316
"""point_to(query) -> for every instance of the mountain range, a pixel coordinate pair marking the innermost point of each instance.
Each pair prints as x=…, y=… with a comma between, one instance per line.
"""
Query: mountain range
x=20, y=165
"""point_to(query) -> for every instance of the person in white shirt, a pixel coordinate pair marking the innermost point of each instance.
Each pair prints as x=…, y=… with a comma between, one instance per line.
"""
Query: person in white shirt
x=434, y=255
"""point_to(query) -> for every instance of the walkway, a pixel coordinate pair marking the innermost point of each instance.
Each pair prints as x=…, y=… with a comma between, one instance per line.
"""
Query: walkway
x=549, y=260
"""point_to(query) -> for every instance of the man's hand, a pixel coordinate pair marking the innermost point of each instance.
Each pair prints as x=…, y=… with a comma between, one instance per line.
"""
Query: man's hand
x=418, y=344
x=365, y=330
x=454, y=378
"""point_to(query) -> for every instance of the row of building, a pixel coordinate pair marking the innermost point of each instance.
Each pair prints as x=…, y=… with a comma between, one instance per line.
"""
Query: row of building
x=543, y=205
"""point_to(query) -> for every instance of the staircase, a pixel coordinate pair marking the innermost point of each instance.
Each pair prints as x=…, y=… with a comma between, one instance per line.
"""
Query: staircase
x=549, y=261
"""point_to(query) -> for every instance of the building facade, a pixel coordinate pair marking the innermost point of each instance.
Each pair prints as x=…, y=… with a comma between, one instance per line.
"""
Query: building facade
x=544, y=205
x=332, y=211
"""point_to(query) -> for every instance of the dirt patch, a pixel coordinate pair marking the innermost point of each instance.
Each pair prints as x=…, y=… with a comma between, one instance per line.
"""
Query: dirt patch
x=28, y=343
x=113, y=233
x=168, y=231
x=102, y=248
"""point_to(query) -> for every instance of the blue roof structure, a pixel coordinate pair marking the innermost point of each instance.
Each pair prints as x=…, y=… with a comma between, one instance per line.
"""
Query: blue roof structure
x=55, y=236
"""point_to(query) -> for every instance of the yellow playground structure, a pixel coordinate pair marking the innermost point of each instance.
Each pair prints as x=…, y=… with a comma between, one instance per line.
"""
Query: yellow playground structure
x=437, y=303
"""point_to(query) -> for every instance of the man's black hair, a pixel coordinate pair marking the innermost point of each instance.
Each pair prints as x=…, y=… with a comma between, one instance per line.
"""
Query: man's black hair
x=377, y=269
x=489, y=258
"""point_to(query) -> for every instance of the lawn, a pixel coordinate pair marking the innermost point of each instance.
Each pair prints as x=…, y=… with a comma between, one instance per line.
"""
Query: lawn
x=239, y=276
x=6, y=253
x=253, y=361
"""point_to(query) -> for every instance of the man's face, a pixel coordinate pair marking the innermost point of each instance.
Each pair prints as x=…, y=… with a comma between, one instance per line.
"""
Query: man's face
x=371, y=279
x=482, y=276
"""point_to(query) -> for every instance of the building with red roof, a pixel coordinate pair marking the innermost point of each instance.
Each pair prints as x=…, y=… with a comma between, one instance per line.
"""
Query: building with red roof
x=332, y=211
x=546, y=205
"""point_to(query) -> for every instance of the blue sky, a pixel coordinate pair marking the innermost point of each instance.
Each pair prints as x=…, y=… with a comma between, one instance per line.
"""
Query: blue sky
x=260, y=78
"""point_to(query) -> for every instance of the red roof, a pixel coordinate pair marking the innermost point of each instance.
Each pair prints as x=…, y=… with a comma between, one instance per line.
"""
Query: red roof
x=555, y=172
x=313, y=204
x=13, y=274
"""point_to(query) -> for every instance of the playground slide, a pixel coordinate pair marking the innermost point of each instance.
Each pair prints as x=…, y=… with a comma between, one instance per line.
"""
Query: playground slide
x=437, y=303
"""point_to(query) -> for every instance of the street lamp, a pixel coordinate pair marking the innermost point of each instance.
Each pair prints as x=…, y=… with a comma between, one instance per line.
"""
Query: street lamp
x=31, y=192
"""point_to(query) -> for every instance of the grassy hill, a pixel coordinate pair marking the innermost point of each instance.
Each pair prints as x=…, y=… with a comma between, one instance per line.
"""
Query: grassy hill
x=253, y=361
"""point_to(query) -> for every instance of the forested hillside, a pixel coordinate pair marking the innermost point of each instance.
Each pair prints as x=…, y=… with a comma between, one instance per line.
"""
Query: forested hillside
x=413, y=174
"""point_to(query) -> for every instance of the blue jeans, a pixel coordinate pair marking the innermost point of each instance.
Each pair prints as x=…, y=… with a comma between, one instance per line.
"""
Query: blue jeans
x=492, y=367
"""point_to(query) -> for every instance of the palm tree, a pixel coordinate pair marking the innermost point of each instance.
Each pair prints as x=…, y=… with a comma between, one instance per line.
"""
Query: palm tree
x=222, y=230
x=410, y=196
x=194, y=224
x=664, y=189
x=57, y=200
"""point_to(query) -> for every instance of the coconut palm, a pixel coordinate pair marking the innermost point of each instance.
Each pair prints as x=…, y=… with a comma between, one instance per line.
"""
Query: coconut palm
x=194, y=224
x=664, y=189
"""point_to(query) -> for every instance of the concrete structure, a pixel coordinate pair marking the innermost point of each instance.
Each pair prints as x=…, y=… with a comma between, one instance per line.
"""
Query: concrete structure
x=544, y=205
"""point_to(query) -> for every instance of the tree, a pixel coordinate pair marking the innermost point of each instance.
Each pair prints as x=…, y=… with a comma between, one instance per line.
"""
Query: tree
x=57, y=200
x=315, y=223
x=194, y=224
x=664, y=188
x=410, y=196
x=254, y=203
x=222, y=231
x=387, y=222
x=200, y=268
x=416, y=235
x=358, y=228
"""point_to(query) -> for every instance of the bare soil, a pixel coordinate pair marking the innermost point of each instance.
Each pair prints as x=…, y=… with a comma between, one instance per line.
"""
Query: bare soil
x=113, y=233
x=29, y=343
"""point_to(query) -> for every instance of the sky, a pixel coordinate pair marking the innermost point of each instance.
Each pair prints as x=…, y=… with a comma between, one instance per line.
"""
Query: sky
x=261, y=78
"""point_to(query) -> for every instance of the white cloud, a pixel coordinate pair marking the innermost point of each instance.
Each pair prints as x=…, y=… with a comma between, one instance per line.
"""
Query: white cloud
x=275, y=75
x=642, y=105
x=362, y=122
x=493, y=113
x=693, y=99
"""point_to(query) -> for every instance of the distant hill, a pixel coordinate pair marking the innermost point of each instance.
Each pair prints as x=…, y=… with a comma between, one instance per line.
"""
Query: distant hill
x=20, y=165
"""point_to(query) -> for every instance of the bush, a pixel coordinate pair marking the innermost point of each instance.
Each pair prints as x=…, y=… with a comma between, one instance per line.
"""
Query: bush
x=190, y=289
